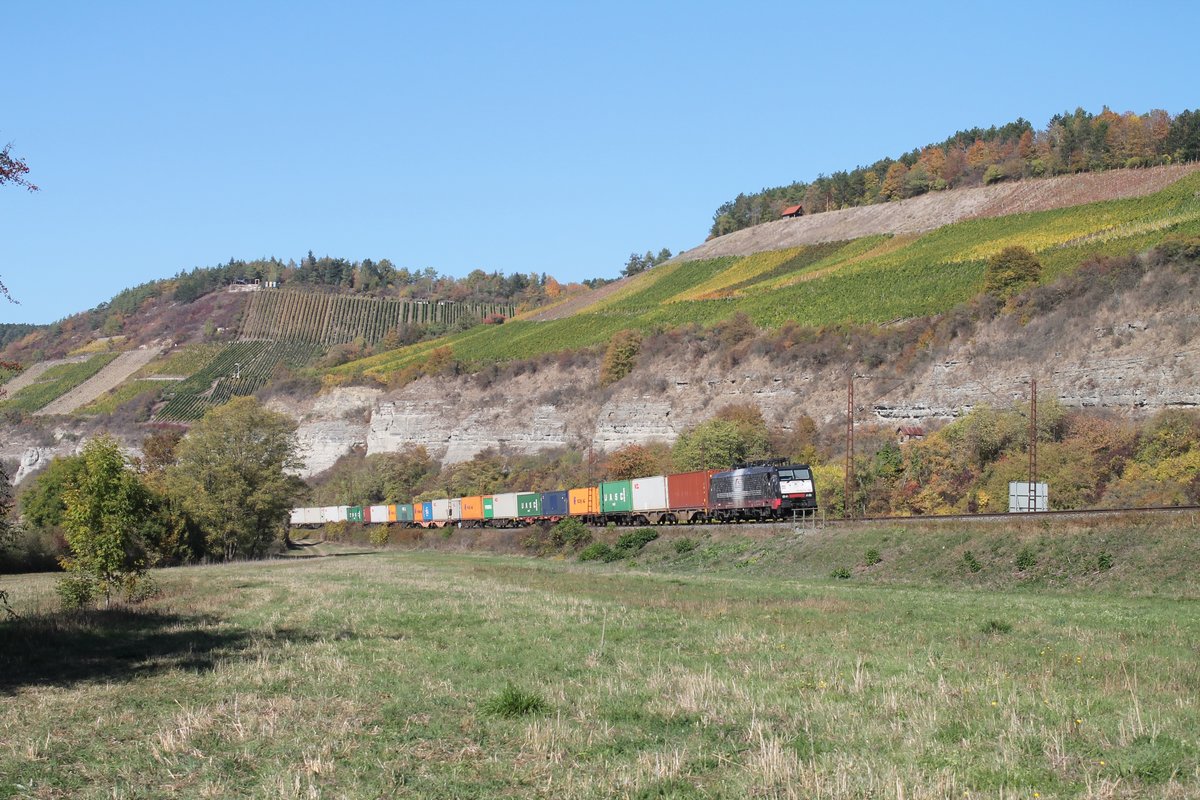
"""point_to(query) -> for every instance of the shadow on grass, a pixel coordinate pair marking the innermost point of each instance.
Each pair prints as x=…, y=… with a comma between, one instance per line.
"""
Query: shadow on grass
x=112, y=645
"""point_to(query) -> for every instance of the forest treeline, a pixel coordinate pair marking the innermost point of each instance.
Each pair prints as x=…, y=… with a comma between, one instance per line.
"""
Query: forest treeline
x=1071, y=142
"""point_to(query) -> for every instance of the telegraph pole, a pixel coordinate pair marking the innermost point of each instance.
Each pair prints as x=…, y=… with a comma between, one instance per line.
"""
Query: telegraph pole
x=1033, y=430
x=849, y=510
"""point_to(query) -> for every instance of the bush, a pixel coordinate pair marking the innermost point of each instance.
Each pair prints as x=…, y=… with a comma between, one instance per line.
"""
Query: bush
x=77, y=590
x=596, y=551
x=1011, y=270
x=684, y=545
x=1104, y=561
x=570, y=532
x=632, y=542
x=873, y=557
x=139, y=587
x=841, y=573
x=378, y=537
x=514, y=702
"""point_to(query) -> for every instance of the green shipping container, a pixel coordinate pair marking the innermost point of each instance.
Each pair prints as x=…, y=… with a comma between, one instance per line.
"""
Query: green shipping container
x=404, y=512
x=616, y=496
x=488, y=511
x=354, y=514
x=529, y=505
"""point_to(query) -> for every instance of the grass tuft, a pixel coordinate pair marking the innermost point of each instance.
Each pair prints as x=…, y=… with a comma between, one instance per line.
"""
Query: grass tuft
x=515, y=702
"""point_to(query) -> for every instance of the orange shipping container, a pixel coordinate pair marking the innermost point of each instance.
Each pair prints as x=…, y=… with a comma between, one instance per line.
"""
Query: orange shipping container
x=472, y=508
x=419, y=512
x=584, y=501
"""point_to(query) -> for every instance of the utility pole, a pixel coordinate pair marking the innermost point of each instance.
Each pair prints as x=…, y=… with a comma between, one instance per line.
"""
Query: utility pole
x=849, y=510
x=1033, y=430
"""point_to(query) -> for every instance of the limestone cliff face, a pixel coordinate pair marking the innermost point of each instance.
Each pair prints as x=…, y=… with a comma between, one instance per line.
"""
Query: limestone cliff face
x=1127, y=356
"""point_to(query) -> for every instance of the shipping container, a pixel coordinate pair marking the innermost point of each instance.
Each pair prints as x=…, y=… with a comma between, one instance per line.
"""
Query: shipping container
x=404, y=512
x=489, y=508
x=529, y=505
x=584, y=501
x=427, y=511
x=649, y=494
x=505, y=506
x=749, y=487
x=554, y=504
x=379, y=514
x=616, y=496
x=456, y=509
x=334, y=513
x=472, y=508
x=307, y=516
x=688, y=490
x=441, y=510
x=354, y=514
x=419, y=512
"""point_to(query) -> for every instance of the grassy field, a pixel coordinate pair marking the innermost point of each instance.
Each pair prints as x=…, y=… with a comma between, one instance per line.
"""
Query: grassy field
x=453, y=675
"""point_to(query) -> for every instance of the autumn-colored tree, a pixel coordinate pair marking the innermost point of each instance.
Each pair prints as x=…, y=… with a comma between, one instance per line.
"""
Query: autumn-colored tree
x=620, y=357
x=1010, y=270
x=893, y=182
x=635, y=461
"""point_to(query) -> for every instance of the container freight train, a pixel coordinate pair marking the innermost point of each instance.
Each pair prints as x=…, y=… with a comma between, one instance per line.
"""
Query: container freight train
x=751, y=493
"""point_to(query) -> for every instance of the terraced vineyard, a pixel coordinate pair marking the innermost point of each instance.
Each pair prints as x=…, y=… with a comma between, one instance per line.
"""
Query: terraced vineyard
x=328, y=319
x=874, y=279
x=54, y=383
x=238, y=369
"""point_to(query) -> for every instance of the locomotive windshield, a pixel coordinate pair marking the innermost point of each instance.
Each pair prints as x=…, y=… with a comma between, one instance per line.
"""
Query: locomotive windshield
x=795, y=474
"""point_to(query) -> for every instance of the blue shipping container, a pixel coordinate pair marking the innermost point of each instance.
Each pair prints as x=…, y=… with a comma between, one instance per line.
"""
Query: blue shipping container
x=427, y=510
x=554, y=504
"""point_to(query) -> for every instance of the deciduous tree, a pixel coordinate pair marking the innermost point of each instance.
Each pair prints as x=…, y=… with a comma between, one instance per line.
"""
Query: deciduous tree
x=105, y=507
x=232, y=475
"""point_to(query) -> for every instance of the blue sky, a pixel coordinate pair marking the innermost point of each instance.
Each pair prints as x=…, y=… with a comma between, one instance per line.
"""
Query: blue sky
x=532, y=137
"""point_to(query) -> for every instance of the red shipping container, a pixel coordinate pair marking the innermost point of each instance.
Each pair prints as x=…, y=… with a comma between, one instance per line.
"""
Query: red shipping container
x=688, y=490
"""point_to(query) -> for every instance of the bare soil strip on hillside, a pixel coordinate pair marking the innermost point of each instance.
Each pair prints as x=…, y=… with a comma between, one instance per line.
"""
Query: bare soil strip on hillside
x=576, y=304
x=35, y=371
x=933, y=210
x=107, y=379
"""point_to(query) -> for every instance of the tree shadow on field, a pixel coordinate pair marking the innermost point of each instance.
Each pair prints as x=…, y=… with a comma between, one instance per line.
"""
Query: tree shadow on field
x=112, y=645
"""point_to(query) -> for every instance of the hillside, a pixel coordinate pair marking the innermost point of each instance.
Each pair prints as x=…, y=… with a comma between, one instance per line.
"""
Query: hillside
x=779, y=328
x=930, y=211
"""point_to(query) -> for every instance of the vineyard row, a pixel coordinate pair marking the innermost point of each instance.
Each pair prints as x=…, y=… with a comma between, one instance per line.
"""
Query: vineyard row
x=327, y=319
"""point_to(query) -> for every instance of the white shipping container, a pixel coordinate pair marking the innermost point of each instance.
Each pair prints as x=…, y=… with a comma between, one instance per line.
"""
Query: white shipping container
x=334, y=513
x=504, y=506
x=650, y=494
x=307, y=516
x=441, y=510
x=456, y=508
x=1018, y=497
x=379, y=513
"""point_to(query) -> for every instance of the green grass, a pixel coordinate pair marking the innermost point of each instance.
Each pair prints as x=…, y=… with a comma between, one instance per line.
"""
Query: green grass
x=870, y=280
x=439, y=675
x=55, y=382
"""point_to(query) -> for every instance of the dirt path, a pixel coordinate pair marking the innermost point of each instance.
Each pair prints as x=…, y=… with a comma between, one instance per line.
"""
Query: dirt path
x=112, y=376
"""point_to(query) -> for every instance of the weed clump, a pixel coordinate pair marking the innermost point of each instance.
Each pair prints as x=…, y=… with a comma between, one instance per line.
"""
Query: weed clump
x=515, y=702
x=1104, y=561
x=995, y=627
x=1026, y=559
x=972, y=562
x=684, y=545
x=841, y=573
x=873, y=557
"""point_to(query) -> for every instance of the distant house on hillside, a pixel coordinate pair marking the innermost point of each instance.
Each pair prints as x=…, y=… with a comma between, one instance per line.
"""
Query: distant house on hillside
x=907, y=433
x=793, y=211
